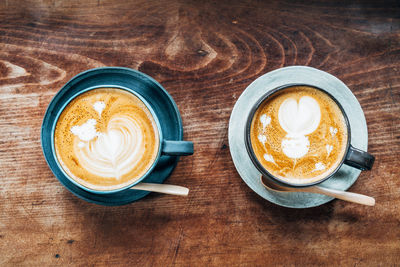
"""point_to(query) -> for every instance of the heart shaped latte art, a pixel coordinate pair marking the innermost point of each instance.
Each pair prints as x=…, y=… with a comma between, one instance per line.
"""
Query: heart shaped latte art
x=298, y=119
x=112, y=153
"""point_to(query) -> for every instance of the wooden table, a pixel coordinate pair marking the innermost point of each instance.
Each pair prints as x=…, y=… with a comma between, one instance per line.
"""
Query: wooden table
x=205, y=54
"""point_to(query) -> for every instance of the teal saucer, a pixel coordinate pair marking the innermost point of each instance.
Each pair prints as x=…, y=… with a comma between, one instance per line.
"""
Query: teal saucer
x=346, y=175
x=161, y=102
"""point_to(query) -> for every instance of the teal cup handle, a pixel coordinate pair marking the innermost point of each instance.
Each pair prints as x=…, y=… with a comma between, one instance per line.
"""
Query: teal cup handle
x=177, y=148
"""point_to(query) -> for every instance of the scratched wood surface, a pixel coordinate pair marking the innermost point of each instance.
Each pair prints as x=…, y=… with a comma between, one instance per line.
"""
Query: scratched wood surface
x=205, y=54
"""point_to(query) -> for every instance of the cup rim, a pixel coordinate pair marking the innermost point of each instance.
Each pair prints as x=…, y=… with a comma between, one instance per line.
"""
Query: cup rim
x=143, y=100
x=250, y=150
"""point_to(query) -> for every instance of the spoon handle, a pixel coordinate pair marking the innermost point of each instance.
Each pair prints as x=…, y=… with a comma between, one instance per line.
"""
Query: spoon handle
x=343, y=195
x=163, y=188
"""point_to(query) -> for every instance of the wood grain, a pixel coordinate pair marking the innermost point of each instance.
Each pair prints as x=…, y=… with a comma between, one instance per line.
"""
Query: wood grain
x=205, y=54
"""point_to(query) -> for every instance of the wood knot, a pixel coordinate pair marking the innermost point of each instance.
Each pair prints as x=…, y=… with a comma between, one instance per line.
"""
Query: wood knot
x=202, y=52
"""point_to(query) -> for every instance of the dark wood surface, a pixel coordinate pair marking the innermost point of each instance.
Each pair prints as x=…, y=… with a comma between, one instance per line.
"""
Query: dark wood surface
x=205, y=54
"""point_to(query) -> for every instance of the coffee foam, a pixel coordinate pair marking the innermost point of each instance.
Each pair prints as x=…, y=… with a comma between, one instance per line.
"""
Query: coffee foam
x=86, y=131
x=106, y=138
x=99, y=106
x=115, y=152
x=305, y=138
x=298, y=119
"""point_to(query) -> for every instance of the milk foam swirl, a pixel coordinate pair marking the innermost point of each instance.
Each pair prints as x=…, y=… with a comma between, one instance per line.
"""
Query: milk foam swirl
x=298, y=120
x=115, y=152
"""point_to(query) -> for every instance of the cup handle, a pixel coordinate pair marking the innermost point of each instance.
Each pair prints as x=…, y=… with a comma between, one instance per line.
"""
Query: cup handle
x=177, y=148
x=359, y=159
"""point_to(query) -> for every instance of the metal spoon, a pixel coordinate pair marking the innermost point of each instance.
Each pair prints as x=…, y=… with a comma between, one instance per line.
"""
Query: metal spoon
x=343, y=195
x=162, y=188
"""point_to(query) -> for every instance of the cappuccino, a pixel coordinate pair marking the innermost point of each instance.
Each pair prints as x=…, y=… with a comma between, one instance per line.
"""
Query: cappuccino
x=299, y=134
x=106, y=139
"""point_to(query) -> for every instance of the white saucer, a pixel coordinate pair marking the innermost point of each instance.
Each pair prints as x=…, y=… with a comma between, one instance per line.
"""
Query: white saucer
x=342, y=180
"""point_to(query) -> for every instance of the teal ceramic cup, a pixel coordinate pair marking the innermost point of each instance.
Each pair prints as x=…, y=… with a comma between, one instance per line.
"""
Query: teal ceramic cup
x=73, y=89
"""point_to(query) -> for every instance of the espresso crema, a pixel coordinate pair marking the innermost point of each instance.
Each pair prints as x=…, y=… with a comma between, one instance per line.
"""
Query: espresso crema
x=299, y=134
x=106, y=139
